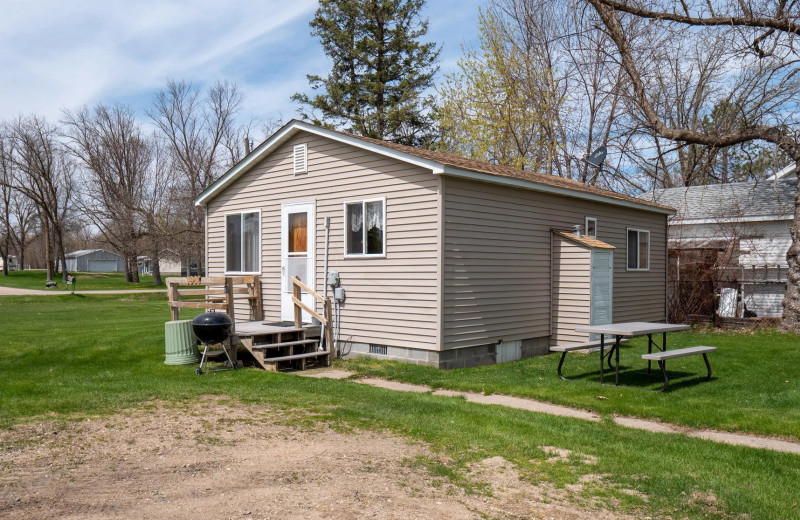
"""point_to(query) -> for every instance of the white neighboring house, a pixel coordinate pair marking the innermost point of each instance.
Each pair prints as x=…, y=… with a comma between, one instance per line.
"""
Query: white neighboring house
x=13, y=263
x=169, y=264
x=751, y=217
x=94, y=261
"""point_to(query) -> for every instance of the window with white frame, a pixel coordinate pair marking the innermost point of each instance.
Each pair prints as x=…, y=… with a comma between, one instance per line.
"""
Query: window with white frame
x=638, y=249
x=242, y=237
x=365, y=228
x=591, y=227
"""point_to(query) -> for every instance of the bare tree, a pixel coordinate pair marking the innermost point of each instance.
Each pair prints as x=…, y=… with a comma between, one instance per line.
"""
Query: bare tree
x=116, y=157
x=761, y=86
x=43, y=171
x=204, y=139
x=24, y=222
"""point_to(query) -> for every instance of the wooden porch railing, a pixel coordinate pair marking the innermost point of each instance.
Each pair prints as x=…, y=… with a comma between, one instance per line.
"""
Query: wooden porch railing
x=326, y=319
x=220, y=292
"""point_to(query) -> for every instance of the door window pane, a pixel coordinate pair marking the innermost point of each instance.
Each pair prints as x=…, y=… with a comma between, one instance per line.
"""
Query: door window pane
x=298, y=232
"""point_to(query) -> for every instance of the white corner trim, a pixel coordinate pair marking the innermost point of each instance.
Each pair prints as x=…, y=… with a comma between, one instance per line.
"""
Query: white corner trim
x=546, y=188
x=284, y=134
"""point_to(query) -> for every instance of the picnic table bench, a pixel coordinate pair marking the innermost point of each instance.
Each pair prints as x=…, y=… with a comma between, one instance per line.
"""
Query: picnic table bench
x=662, y=357
x=587, y=345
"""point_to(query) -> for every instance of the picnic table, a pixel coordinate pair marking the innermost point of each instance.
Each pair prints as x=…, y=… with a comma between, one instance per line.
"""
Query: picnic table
x=628, y=330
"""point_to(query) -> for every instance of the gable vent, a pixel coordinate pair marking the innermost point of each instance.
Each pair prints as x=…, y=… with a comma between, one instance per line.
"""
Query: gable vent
x=300, y=158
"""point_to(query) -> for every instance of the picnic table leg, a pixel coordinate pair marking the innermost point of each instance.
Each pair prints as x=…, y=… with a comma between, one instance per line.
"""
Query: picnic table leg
x=649, y=350
x=602, y=354
x=663, y=366
x=616, y=348
x=708, y=366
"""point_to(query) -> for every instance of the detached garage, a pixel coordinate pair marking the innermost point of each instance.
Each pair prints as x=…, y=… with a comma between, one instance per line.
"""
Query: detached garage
x=95, y=261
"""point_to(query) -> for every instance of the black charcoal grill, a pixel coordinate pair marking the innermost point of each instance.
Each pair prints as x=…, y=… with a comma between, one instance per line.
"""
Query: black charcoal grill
x=212, y=328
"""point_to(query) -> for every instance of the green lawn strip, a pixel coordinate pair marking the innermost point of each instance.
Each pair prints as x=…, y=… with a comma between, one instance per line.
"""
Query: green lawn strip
x=755, y=386
x=67, y=357
x=85, y=281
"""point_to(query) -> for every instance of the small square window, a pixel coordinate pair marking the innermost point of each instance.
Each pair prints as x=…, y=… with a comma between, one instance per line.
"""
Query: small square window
x=365, y=228
x=591, y=227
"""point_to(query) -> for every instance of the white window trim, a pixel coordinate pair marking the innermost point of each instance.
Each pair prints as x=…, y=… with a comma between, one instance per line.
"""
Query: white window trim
x=304, y=148
x=225, y=241
x=344, y=228
x=586, y=226
x=628, y=245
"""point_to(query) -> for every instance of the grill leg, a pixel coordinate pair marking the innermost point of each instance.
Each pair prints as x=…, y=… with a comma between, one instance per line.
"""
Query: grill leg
x=202, y=360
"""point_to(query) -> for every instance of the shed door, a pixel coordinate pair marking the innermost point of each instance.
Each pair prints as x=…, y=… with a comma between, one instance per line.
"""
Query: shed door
x=297, y=254
x=103, y=266
x=602, y=284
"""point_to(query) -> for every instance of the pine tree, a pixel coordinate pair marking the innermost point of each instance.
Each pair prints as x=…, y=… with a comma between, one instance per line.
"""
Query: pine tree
x=381, y=70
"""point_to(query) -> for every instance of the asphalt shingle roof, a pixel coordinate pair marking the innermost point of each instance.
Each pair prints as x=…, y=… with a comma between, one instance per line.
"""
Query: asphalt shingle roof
x=735, y=200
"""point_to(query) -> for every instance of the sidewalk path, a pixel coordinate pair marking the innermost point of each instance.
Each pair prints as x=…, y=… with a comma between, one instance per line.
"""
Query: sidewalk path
x=13, y=291
x=739, y=439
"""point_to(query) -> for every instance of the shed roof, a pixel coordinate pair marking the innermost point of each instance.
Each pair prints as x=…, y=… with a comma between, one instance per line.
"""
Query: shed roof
x=81, y=252
x=584, y=240
x=734, y=202
x=439, y=163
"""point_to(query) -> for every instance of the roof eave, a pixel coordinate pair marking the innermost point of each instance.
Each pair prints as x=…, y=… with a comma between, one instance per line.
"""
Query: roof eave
x=556, y=190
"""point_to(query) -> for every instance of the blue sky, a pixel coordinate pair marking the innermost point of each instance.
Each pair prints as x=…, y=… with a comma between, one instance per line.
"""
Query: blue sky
x=57, y=54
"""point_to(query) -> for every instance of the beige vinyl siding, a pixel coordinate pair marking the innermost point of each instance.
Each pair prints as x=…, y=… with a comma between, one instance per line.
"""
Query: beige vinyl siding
x=571, y=300
x=390, y=301
x=497, y=282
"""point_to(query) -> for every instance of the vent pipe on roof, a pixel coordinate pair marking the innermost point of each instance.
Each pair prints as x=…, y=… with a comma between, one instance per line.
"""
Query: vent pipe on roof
x=577, y=228
x=247, y=145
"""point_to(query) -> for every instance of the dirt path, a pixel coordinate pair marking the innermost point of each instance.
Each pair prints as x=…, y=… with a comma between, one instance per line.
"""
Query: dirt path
x=216, y=459
x=14, y=291
x=739, y=439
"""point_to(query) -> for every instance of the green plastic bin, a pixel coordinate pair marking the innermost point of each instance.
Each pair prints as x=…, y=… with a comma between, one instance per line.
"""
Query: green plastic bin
x=180, y=343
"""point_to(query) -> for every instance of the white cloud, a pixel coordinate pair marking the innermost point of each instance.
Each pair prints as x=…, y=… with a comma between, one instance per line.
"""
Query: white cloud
x=64, y=54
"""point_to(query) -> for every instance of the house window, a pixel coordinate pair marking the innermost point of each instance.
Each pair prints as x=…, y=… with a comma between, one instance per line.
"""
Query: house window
x=242, y=239
x=591, y=227
x=638, y=250
x=365, y=228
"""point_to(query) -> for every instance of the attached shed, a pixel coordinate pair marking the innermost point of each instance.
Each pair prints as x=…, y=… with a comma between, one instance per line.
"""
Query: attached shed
x=583, y=285
x=445, y=261
x=95, y=261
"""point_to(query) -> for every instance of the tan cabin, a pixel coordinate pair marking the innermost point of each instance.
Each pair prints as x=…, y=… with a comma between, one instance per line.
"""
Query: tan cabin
x=441, y=260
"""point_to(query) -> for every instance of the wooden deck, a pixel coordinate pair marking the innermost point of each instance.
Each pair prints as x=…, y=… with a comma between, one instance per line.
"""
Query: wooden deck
x=275, y=346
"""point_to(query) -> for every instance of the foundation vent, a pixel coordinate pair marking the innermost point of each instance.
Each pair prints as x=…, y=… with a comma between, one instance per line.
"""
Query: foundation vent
x=381, y=350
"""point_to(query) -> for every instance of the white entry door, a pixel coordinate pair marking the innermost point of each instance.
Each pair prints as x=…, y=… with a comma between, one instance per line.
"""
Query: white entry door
x=602, y=284
x=297, y=254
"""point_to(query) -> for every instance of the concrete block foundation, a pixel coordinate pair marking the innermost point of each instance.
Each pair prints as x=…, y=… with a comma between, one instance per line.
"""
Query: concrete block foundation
x=455, y=358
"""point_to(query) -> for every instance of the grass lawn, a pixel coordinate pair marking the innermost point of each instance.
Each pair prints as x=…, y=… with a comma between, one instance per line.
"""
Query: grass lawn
x=35, y=279
x=66, y=357
x=755, y=386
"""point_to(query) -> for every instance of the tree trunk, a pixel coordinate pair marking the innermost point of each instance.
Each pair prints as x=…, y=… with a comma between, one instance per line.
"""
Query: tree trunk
x=156, y=270
x=791, y=300
x=5, y=264
x=48, y=249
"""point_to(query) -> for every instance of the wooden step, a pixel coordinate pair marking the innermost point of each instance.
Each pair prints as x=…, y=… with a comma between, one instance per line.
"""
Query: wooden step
x=262, y=346
x=296, y=356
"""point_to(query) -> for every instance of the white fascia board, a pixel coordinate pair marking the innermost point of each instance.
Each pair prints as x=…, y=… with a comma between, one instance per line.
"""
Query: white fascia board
x=725, y=220
x=546, y=188
x=283, y=135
